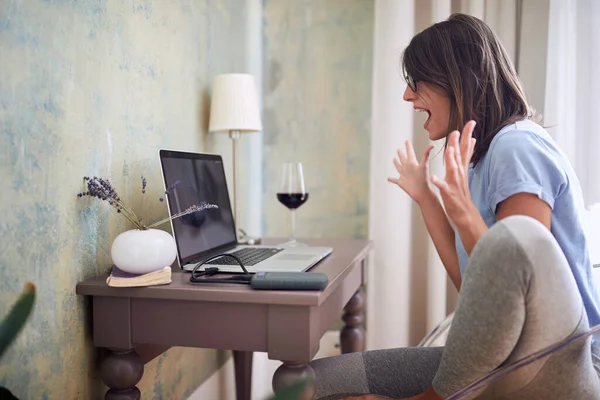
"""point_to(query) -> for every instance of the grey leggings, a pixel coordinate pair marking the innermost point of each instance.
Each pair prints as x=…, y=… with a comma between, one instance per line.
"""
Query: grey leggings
x=517, y=297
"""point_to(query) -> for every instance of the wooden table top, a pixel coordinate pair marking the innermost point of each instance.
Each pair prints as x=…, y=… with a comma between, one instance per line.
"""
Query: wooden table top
x=346, y=253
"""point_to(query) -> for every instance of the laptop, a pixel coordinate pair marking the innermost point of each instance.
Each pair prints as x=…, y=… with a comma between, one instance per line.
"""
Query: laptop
x=198, y=179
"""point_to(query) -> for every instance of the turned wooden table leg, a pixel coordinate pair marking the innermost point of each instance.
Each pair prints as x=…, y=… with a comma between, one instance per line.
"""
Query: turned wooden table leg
x=289, y=372
x=352, y=335
x=242, y=361
x=121, y=370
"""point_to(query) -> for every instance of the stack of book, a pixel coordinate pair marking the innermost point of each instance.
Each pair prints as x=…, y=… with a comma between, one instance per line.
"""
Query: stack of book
x=119, y=278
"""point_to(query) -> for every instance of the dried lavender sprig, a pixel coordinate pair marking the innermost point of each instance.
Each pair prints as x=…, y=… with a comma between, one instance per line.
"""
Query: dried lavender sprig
x=119, y=210
x=137, y=224
x=170, y=189
x=103, y=190
x=189, y=210
x=129, y=214
x=194, y=208
x=121, y=205
x=101, y=187
x=144, y=182
x=127, y=211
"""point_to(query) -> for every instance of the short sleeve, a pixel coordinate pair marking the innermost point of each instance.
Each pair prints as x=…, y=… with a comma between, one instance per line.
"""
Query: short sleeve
x=523, y=162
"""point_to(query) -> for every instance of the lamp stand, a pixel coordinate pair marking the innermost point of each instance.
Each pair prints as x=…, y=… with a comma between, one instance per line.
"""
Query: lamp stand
x=235, y=136
x=241, y=235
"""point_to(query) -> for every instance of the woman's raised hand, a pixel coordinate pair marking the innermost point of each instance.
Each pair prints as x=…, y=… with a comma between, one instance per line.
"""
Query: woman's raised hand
x=413, y=175
x=454, y=187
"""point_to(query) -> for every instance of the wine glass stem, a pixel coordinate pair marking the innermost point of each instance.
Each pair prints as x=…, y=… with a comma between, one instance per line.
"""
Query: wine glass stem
x=293, y=238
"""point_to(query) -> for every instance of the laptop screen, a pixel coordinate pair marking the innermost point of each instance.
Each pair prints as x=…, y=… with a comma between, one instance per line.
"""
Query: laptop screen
x=198, y=179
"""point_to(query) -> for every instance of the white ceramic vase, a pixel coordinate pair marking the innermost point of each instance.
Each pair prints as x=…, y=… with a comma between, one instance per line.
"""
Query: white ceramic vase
x=142, y=251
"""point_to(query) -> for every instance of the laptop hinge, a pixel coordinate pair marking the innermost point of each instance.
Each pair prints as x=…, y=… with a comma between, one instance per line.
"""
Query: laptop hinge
x=212, y=253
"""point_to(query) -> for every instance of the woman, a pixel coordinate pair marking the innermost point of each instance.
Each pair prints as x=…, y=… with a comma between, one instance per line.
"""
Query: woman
x=509, y=234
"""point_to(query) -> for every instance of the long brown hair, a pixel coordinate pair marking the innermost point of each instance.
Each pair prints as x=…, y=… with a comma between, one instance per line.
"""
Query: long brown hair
x=463, y=57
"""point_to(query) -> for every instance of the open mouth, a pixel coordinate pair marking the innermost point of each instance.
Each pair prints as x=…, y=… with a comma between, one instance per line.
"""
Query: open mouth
x=428, y=115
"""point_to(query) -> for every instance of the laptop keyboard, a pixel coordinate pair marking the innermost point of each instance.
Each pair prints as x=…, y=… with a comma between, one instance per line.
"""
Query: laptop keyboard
x=247, y=255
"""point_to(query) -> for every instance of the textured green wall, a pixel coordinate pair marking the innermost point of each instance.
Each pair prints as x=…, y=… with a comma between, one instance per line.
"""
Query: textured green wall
x=317, y=107
x=93, y=87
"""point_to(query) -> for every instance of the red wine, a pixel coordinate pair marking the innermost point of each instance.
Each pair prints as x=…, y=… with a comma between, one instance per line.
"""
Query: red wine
x=292, y=200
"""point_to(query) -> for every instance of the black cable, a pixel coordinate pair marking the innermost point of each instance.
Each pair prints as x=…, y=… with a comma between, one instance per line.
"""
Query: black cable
x=202, y=273
x=196, y=276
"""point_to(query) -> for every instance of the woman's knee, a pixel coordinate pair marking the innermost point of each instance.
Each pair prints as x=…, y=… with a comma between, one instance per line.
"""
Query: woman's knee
x=517, y=247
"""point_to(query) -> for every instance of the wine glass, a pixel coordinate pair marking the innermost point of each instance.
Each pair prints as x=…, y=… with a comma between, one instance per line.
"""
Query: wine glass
x=292, y=193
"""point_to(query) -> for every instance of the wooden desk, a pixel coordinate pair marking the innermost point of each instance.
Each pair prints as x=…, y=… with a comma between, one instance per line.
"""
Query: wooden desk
x=137, y=324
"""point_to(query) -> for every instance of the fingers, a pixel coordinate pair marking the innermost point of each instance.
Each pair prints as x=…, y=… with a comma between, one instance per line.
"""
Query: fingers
x=426, y=154
x=465, y=140
x=441, y=184
x=397, y=165
x=451, y=164
x=471, y=151
x=401, y=157
x=408, y=157
x=456, y=145
x=466, y=135
x=410, y=151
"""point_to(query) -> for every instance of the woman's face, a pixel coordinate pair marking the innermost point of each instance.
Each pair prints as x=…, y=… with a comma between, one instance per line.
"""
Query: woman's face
x=435, y=103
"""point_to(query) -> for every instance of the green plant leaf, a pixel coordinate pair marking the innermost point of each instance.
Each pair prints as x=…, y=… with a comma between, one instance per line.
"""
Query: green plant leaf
x=6, y=394
x=16, y=317
x=291, y=392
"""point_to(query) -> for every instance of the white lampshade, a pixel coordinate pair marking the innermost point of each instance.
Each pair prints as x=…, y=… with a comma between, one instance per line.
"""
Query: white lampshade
x=234, y=104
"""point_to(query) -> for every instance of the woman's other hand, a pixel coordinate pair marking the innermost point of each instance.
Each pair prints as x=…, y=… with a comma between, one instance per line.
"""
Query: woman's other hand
x=454, y=188
x=413, y=175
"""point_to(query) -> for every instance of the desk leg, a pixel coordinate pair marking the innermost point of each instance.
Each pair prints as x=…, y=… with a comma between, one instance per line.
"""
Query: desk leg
x=352, y=335
x=289, y=372
x=121, y=370
x=242, y=361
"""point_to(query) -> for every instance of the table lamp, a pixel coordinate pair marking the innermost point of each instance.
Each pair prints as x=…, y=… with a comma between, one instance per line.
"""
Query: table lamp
x=234, y=109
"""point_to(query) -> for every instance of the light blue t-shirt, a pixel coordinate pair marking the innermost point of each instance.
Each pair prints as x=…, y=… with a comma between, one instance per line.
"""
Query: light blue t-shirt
x=523, y=158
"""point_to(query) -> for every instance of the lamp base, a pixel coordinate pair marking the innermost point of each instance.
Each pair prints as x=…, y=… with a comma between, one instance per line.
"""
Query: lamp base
x=243, y=238
x=250, y=241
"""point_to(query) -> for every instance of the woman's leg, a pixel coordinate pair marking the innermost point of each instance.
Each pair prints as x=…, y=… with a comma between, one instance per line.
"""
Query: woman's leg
x=517, y=297
x=394, y=373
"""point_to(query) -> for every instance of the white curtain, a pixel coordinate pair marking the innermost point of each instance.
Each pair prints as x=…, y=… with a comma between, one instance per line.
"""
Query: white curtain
x=388, y=292
x=572, y=95
x=572, y=100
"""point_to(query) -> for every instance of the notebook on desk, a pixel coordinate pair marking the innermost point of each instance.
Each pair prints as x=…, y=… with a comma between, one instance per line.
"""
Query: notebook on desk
x=198, y=179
